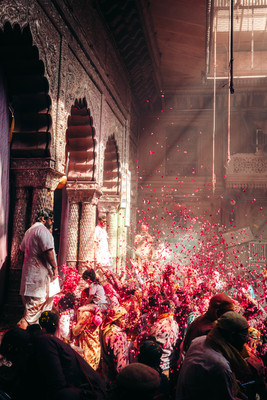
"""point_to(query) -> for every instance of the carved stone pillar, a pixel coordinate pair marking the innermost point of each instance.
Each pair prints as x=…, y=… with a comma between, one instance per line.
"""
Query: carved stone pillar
x=87, y=231
x=112, y=226
x=35, y=181
x=39, y=201
x=39, y=175
x=83, y=197
x=121, y=248
x=19, y=225
x=73, y=229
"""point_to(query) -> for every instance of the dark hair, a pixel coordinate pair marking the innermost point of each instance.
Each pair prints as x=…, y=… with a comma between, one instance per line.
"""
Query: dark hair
x=15, y=343
x=153, y=301
x=89, y=273
x=165, y=306
x=150, y=353
x=44, y=213
x=49, y=321
x=68, y=301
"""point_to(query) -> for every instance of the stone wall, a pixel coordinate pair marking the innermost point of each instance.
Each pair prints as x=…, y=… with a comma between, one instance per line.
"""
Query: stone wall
x=80, y=62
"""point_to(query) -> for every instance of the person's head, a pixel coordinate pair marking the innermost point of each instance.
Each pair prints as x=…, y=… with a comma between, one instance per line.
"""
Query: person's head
x=66, y=302
x=45, y=216
x=144, y=228
x=165, y=307
x=150, y=353
x=218, y=305
x=49, y=322
x=234, y=329
x=34, y=330
x=117, y=316
x=137, y=381
x=102, y=221
x=15, y=344
x=153, y=301
x=89, y=275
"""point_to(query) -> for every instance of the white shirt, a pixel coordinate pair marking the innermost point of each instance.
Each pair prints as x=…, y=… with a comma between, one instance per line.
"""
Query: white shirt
x=98, y=293
x=166, y=331
x=102, y=253
x=35, y=272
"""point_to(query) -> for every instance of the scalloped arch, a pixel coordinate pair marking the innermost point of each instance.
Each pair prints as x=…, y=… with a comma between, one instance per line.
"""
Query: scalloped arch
x=111, y=173
x=27, y=90
x=81, y=143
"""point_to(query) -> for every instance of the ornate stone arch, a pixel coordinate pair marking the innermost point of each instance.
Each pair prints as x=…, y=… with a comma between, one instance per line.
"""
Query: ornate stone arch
x=81, y=143
x=29, y=103
x=27, y=90
x=82, y=187
x=111, y=168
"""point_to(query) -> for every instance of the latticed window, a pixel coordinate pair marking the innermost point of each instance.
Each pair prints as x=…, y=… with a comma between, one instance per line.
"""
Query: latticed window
x=257, y=254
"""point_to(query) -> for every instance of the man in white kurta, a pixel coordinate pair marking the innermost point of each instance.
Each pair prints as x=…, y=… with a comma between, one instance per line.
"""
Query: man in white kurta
x=102, y=254
x=39, y=268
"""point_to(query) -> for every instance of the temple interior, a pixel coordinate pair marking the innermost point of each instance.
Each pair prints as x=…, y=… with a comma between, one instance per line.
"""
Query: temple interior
x=145, y=112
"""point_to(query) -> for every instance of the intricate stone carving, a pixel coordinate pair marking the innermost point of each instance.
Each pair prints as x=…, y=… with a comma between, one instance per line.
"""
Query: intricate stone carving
x=41, y=198
x=87, y=230
x=247, y=170
x=78, y=84
x=79, y=192
x=14, y=13
x=109, y=204
x=35, y=173
x=19, y=226
x=47, y=39
x=112, y=226
x=72, y=245
x=82, y=195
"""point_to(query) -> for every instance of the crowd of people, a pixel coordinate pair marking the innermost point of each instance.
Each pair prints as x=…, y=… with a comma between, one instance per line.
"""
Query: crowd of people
x=168, y=332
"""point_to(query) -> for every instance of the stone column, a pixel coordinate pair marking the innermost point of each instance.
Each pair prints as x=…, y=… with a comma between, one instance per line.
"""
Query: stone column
x=87, y=230
x=121, y=248
x=19, y=226
x=73, y=229
x=39, y=201
x=83, y=197
x=112, y=226
x=39, y=176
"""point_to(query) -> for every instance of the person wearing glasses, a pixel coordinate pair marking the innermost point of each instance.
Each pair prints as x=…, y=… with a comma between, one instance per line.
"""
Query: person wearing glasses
x=39, y=268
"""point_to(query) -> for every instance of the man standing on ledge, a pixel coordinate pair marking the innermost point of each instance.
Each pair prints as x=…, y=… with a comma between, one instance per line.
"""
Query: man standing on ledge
x=102, y=255
x=39, y=268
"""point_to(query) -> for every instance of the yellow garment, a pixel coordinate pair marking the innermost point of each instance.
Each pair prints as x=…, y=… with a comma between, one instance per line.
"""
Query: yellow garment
x=88, y=337
x=113, y=315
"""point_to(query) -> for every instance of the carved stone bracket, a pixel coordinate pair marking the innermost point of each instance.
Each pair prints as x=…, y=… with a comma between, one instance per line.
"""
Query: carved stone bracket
x=83, y=192
x=109, y=203
x=37, y=173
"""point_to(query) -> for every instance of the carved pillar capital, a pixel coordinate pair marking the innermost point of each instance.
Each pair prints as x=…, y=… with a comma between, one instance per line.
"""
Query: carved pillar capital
x=109, y=204
x=37, y=173
x=83, y=192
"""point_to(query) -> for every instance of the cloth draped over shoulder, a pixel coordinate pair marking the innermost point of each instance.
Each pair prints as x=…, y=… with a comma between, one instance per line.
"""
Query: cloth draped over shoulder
x=238, y=364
